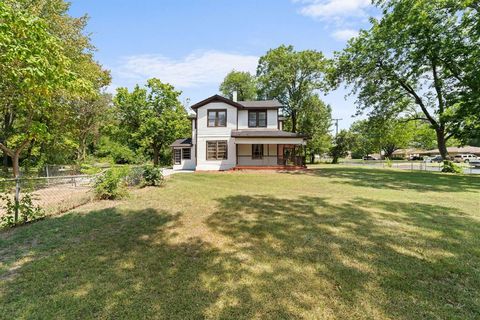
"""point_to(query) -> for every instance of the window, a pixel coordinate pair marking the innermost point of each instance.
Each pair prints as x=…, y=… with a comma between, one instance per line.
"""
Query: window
x=186, y=154
x=216, y=150
x=257, y=118
x=177, y=156
x=217, y=118
x=257, y=151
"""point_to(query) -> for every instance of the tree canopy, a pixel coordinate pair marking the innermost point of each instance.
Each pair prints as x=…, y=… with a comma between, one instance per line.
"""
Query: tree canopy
x=291, y=77
x=242, y=82
x=418, y=60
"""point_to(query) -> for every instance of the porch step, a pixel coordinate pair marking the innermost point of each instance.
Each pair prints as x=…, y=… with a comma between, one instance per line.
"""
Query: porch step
x=278, y=168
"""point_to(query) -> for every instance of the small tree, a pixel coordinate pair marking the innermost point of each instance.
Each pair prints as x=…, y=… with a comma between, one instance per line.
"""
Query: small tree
x=341, y=145
x=241, y=82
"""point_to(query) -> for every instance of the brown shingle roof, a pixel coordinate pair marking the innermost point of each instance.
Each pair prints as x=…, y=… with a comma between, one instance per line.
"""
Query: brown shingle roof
x=265, y=134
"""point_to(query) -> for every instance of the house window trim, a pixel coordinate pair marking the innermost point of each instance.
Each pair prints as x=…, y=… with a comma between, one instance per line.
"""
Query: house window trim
x=216, y=118
x=189, y=155
x=216, y=151
x=175, y=158
x=257, y=124
x=262, y=150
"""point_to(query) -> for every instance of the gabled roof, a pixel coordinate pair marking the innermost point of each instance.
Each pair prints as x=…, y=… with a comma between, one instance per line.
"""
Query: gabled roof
x=262, y=104
x=216, y=98
x=184, y=142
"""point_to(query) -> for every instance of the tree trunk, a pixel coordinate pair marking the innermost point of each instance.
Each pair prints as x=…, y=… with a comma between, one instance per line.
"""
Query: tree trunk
x=156, y=155
x=16, y=164
x=294, y=121
x=442, y=144
x=5, y=162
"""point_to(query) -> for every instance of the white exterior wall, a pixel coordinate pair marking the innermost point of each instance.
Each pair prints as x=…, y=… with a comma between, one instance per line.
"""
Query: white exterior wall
x=205, y=133
x=272, y=119
x=187, y=164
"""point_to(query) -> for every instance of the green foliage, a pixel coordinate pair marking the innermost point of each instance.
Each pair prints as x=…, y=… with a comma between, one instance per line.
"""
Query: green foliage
x=27, y=211
x=118, y=153
x=86, y=168
x=149, y=119
x=419, y=59
x=135, y=177
x=47, y=67
x=241, y=82
x=450, y=167
x=111, y=184
x=152, y=176
x=388, y=162
x=291, y=77
x=315, y=121
x=342, y=144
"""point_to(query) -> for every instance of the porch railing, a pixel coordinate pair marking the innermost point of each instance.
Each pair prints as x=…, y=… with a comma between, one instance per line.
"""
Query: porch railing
x=281, y=160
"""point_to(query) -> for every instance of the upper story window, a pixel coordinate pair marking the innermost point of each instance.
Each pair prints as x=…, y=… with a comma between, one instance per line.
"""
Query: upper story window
x=217, y=118
x=257, y=119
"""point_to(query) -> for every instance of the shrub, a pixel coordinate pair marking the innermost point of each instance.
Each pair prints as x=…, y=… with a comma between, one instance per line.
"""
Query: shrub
x=110, y=185
x=86, y=168
x=450, y=167
x=27, y=211
x=120, y=154
x=135, y=177
x=388, y=162
x=152, y=176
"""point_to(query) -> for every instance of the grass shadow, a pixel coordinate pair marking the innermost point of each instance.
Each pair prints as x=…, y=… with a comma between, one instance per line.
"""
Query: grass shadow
x=398, y=180
x=362, y=259
x=104, y=264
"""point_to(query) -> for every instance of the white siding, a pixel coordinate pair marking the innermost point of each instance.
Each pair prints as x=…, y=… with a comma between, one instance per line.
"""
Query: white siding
x=272, y=120
x=205, y=133
x=187, y=164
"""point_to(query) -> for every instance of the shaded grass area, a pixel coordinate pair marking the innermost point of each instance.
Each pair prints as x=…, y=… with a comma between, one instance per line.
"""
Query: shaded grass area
x=344, y=243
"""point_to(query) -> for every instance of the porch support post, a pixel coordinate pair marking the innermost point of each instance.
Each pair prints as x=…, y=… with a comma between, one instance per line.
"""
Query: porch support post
x=236, y=153
x=305, y=155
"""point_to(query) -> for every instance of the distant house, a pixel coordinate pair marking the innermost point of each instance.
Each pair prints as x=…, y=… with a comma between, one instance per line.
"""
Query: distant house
x=230, y=134
x=453, y=151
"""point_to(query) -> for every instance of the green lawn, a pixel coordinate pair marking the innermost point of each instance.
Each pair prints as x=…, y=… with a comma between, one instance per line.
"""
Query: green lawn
x=335, y=242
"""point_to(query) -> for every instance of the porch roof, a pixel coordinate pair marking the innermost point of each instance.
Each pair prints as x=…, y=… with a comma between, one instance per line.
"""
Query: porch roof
x=266, y=134
x=184, y=142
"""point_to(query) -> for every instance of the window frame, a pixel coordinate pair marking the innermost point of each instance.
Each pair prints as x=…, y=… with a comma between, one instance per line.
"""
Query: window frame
x=216, y=111
x=260, y=156
x=216, y=158
x=189, y=154
x=257, y=118
x=175, y=156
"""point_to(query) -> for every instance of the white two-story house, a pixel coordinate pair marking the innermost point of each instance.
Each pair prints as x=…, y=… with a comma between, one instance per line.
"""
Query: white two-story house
x=228, y=134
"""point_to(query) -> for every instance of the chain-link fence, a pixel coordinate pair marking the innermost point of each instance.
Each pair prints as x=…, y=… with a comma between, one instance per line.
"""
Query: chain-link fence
x=53, y=194
x=410, y=165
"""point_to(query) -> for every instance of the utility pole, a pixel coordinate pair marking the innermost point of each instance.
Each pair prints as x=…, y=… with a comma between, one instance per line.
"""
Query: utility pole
x=336, y=126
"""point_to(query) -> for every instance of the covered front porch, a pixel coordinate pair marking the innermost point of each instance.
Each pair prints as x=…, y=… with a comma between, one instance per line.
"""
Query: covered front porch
x=275, y=156
x=272, y=149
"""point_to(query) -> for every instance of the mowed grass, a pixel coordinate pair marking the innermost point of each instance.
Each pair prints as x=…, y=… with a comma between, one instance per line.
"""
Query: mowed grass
x=331, y=243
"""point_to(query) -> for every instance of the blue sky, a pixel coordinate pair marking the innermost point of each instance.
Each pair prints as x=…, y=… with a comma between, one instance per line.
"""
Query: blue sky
x=192, y=44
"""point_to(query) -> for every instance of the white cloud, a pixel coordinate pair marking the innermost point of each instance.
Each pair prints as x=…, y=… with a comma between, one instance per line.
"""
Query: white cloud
x=197, y=69
x=334, y=9
x=344, y=34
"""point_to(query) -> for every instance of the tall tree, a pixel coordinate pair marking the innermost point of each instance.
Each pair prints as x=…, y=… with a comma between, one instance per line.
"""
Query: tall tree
x=290, y=77
x=34, y=68
x=150, y=118
x=83, y=78
x=406, y=61
x=241, y=82
x=315, y=121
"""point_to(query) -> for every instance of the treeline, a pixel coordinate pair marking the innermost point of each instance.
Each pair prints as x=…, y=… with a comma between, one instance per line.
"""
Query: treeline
x=414, y=73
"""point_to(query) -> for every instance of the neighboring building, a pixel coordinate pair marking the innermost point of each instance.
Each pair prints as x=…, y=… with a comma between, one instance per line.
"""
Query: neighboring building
x=407, y=153
x=453, y=151
x=230, y=134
